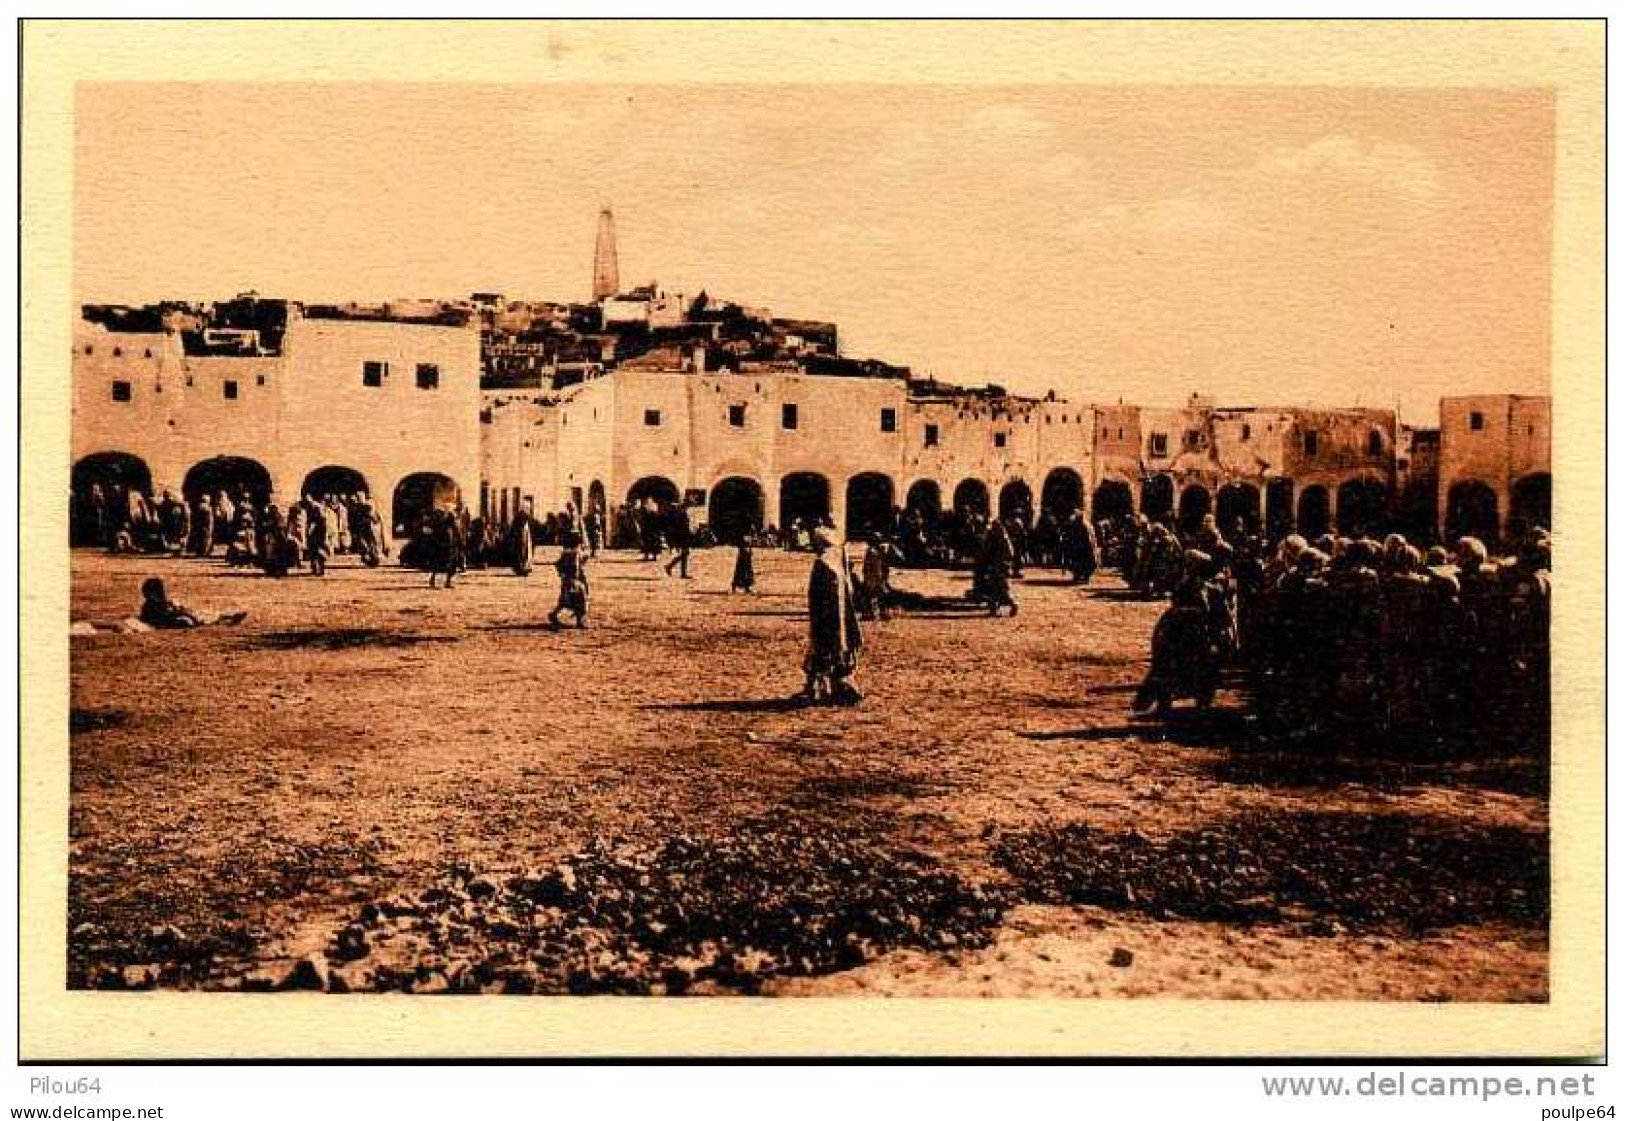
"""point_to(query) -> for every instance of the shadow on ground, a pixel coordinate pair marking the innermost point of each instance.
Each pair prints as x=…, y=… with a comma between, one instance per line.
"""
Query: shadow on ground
x=1252, y=756
x=736, y=704
x=345, y=639
x=83, y=720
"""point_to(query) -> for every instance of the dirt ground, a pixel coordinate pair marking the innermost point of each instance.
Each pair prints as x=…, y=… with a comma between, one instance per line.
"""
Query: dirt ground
x=244, y=796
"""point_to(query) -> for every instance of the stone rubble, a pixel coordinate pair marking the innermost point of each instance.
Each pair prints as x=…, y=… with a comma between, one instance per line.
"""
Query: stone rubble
x=686, y=915
x=1331, y=871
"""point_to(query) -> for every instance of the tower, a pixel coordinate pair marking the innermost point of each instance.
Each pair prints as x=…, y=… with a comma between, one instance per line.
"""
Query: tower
x=606, y=273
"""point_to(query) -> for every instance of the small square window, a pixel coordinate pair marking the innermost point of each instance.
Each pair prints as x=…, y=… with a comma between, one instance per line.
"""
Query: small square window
x=428, y=375
x=651, y=418
x=932, y=435
x=148, y=353
x=373, y=374
x=1246, y=432
x=736, y=416
x=788, y=418
x=1373, y=443
x=259, y=379
x=188, y=379
x=121, y=391
x=1159, y=443
x=999, y=439
x=230, y=388
x=118, y=352
x=888, y=420
x=89, y=349
x=1311, y=443
x=1475, y=421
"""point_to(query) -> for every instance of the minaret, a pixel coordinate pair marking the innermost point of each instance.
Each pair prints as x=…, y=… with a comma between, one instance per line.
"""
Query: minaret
x=606, y=272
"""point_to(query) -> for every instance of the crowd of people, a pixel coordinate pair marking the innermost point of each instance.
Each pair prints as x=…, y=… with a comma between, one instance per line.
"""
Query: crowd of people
x=511, y=542
x=1353, y=636
x=276, y=538
x=956, y=538
x=1342, y=633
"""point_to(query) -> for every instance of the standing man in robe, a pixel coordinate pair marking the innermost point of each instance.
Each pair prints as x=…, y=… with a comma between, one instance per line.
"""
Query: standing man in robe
x=998, y=562
x=367, y=532
x=680, y=536
x=1081, y=549
x=225, y=519
x=319, y=535
x=202, y=543
x=834, y=638
x=594, y=525
x=522, y=542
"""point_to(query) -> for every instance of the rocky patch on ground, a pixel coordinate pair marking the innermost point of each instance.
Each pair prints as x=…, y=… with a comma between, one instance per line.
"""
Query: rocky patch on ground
x=161, y=956
x=686, y=915
x=1332, y=870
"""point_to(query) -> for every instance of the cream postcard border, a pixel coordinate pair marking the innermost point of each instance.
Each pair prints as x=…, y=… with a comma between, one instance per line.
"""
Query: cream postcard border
x=1566, y=56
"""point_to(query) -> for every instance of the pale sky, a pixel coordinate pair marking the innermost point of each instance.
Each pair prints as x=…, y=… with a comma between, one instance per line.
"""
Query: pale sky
x=1262, y=246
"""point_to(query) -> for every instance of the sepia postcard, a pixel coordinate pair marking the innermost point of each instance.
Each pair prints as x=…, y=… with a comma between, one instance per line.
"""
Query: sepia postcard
x=857, y=538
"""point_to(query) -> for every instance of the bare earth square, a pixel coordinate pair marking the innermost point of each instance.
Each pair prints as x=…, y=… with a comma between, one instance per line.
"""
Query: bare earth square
x=372, y=785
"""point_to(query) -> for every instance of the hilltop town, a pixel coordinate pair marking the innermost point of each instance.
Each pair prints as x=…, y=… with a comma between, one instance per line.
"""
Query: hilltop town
x=752, y=419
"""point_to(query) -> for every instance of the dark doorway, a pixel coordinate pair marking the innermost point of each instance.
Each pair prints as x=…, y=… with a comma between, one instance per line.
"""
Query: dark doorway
x=236, y=476
x=416, y=495
x=657, y=487
x=1314, y=512
x=1278, y=519
x=871, y=503
x=325, y=481
x=98, y=482
x=1195, y=503
x=1063, y=493
x=970, y=497
x=926, y=497
x=1362, y=508
x=1531, y=506
x=1016, y=502
x=804, y=497
x=736, y=509
x=1238, y=504
x=1114, y=501
x=1157, y=498
x=1472, y=510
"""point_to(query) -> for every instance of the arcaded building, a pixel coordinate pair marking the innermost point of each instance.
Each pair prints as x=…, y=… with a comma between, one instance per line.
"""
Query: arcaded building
x=749, y=420
x=1312, y=470
x=770, y=443
x=329, y=405
x=1495, y=465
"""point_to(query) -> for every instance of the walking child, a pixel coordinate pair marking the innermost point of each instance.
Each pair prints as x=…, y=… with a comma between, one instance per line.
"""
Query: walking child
x=573, y=590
